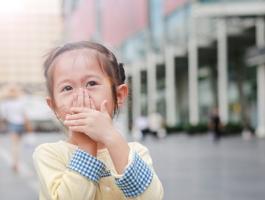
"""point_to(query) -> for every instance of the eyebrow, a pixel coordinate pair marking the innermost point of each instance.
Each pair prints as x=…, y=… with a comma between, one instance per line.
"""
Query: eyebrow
x=62, y=82
x=91, y=76
x=83, y=79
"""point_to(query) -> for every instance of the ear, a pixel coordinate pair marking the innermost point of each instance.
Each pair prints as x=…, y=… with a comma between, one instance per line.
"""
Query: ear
x=122, y=93
x=50, y=103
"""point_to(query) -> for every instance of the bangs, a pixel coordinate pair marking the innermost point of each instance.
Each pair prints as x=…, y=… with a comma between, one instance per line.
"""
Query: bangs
x=106, y=66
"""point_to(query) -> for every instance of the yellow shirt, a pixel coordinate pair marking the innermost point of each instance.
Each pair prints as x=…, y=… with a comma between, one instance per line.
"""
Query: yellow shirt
x=58, y=182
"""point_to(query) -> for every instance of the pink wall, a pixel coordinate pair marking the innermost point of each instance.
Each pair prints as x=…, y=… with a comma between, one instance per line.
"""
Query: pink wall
x=171, y=5
x=82, y=22
x=121, y=18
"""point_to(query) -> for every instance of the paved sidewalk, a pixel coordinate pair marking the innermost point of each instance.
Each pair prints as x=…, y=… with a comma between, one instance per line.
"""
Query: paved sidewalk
x=190, y=168
x=194, y=168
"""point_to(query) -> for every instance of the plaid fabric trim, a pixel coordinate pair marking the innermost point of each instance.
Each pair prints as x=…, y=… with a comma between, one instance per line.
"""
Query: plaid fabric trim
x=136, y=178
x=87, y=165
x=106, y=173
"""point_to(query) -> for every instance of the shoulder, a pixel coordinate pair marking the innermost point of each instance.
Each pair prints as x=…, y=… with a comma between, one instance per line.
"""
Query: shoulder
x=47, y=147
x=56, y=150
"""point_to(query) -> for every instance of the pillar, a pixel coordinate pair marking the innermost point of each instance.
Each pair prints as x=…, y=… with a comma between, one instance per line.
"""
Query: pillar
x=151, y=83
x=222, y=70
x=260, y=41
x=193, y=75
x=171, y=110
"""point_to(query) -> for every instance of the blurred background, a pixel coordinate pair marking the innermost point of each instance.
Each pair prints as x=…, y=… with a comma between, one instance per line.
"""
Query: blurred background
x=191, y=65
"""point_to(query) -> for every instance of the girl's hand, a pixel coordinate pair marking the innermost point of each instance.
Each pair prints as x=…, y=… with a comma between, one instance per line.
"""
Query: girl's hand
x=79, y=138
x=95, y=124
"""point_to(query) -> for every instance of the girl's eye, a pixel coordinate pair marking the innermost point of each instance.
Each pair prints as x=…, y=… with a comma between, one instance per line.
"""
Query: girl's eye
x=91, y=83
x=67, y=88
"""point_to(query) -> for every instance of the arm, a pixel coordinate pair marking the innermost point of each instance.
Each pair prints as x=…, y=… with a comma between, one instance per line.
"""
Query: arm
x=139, y=181
x=118, y=149
x=134, y=173
x=63, y=180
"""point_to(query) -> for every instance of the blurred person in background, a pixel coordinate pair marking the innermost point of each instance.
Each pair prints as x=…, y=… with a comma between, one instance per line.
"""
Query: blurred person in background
x=215, y=124
x=141, y=127
x=14, y=113
x=157, y=125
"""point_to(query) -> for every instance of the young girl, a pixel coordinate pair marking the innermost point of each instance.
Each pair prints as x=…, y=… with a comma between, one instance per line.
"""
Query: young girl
x=86, y=87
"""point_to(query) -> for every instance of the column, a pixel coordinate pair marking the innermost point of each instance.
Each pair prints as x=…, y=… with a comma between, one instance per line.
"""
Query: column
x=123, y=116
x=151, y=82
x=171, y=109
x=222, y=70
x=193, y=75
x=136, y=90
x=260, y=41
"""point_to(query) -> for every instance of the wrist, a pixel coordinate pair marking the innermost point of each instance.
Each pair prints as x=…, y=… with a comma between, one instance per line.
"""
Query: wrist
x=110, y=138
x=90, y=148
x=85, y=143
x=114, y=140
x=119, y=151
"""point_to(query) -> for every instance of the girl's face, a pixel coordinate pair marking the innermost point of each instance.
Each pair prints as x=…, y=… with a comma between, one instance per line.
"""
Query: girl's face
x=80, y=69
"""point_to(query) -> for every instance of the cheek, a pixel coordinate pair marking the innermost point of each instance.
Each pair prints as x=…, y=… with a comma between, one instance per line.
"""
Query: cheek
x=111, y=102
x=110, y=108
x=63, y=106
x=99, y=97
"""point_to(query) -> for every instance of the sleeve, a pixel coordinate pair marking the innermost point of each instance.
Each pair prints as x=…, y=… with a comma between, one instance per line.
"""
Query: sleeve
x=76, y=181
x=139, y=180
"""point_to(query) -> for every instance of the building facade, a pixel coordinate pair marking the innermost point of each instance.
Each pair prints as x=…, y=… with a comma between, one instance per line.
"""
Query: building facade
x=183, y=57
x=28, y=29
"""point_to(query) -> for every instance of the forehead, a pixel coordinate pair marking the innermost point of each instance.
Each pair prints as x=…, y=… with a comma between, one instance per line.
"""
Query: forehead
x=77, y=60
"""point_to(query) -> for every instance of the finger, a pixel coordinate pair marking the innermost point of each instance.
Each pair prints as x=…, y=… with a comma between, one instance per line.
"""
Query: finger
x=74, y=102
x=77, y=129
x=103, y=107
x=92, y=103
x=89, y=101
x=84, y=93
x=78, y=122
x=80, y=99
x=86, y=99
x=79, y=109
x=80, y=115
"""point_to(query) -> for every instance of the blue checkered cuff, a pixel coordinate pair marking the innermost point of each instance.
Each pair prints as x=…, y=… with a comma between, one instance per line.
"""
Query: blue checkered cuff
x=136, y=178
x=87, y=165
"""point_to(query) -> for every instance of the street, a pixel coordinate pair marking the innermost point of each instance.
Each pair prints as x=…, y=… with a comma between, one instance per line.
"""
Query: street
x=190, y=168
